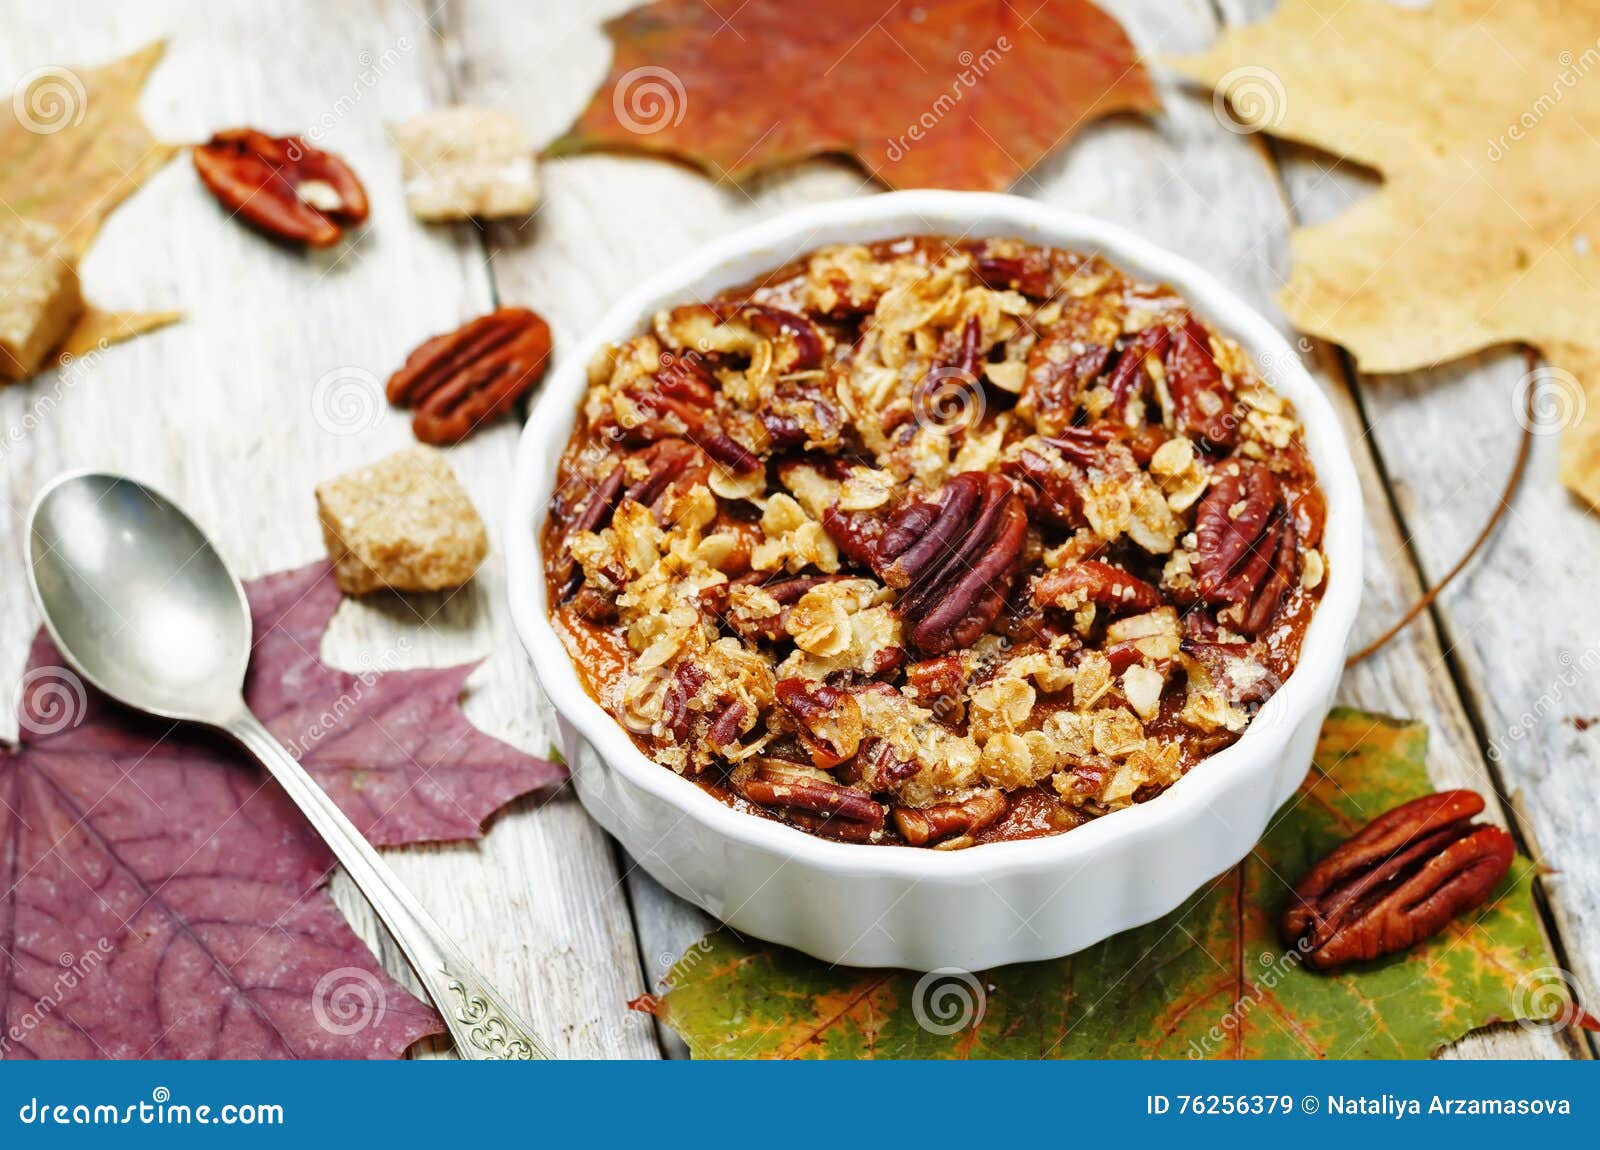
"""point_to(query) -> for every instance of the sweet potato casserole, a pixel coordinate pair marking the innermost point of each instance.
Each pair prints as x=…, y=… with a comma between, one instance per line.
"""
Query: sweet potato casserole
x=934, y=542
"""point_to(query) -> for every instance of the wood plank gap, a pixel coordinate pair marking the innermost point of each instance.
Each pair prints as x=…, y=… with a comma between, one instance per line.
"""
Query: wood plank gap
x=626, y=865
x=439, y=26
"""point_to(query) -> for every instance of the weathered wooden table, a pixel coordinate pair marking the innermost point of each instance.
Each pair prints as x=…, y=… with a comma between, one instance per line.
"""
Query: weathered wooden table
x=230, y=411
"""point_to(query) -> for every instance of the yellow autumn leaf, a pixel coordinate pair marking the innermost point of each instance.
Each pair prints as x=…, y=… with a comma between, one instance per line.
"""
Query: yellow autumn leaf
x=1481, y=119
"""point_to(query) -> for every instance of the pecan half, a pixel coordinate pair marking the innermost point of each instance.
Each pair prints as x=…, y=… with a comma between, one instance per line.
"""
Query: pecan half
x=953, y=561
x=1039, y=273
x=1398, y=881
x=1084, y=446
x=1129, y=376
x=1203, y=404
x=806, y=346
x=737, y=330
x=827, y=720
x=282, y=185
x=666, y=463
x=595, y=516
x=879, y=766
x=1031, y=277
x=685, y=684
x=940, y=685
x=800, y=791
x=789, y=591
x=728, y=726
x=829, y=826
x=682, y=399
x=1060, y=369
x=1245, y=555
x=1092, y=581
x=1096, y=446
x=1051, y=481
x=922, y=825
x=459, y=379
x=774, y=628
x=602, y=501
x=669, y=463
x=856, y=533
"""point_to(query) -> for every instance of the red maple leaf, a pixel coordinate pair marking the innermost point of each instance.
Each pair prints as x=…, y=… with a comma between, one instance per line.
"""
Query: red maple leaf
x=160, y=898
x=939, y=93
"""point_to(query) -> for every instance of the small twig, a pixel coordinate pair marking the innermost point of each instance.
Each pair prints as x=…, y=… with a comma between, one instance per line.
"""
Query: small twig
x=1504, y=504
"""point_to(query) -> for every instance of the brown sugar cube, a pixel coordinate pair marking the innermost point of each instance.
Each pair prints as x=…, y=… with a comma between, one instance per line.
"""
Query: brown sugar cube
x=41, y=297
x=461, y=163
x=404, y=523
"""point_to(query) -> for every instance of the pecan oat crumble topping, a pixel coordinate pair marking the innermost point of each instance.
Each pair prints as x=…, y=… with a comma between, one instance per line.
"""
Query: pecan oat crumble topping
x=934, y=542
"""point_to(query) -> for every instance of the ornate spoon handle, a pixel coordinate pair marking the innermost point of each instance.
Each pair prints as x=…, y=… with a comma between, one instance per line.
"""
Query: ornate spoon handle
x=480, y=1022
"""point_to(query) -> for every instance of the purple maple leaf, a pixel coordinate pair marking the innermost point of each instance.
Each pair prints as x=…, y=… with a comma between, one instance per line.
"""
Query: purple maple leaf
x=160, y=898
x=391, y=747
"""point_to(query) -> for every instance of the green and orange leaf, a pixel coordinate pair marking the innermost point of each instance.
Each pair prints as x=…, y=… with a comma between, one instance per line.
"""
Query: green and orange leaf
x=1209, y=980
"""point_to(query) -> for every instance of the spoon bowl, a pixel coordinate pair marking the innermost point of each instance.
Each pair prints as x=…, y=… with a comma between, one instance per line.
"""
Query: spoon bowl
x=137, y=597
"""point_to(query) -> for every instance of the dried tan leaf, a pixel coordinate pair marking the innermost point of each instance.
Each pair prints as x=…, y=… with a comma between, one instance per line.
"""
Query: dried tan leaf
x=72, y=144
x=1480, y=119
x=73, y=147
x=97, y=330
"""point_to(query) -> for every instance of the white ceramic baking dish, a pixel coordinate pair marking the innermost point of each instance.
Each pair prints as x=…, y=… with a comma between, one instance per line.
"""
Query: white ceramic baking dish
x=903, y=906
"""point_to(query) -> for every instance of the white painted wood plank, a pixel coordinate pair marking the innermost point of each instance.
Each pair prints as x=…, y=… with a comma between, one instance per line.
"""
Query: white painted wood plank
x=223, y=413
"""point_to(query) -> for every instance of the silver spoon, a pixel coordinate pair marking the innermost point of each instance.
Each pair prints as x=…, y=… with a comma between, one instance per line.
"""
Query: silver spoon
x=142, y=606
